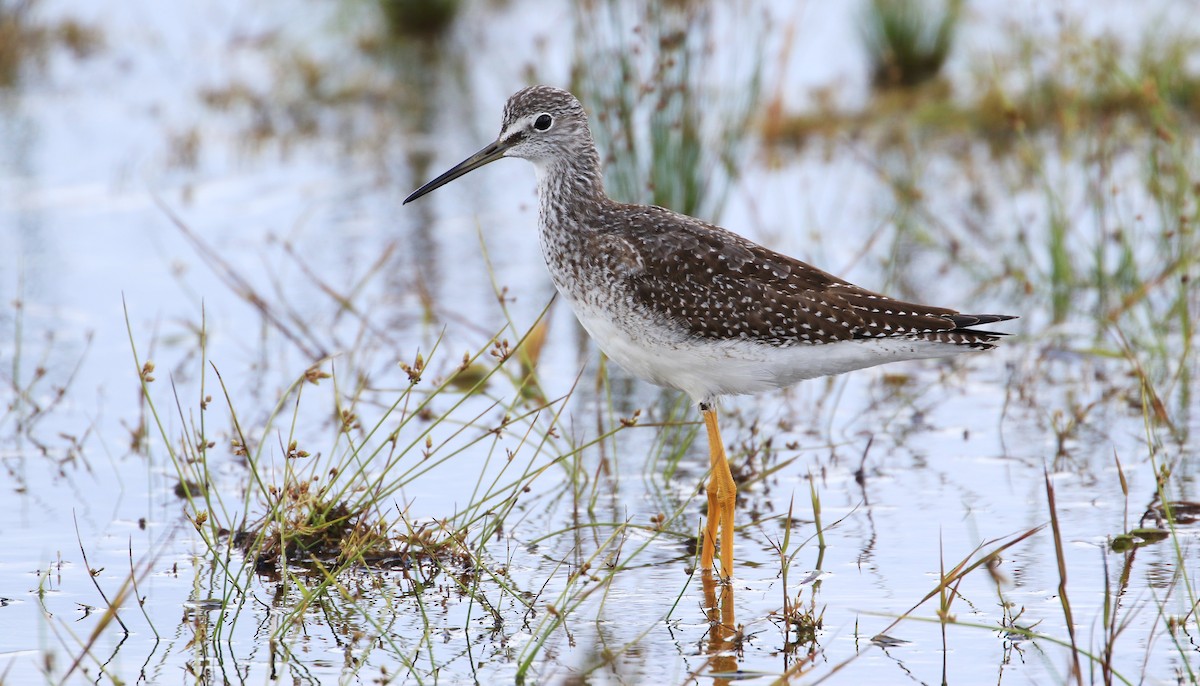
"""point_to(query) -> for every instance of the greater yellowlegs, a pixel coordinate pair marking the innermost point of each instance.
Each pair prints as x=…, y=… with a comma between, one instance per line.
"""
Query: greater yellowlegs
x=688, y=305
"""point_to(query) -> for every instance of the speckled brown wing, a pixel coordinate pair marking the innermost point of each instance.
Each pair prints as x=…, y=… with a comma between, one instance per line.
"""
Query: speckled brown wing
x=717, y=285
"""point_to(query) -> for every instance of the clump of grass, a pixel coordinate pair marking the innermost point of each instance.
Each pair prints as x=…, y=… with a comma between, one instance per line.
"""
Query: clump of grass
x=671, y=137
x=330, y=513
x=17, y=41
x=802, y=622
x=23, y=39
x=304, y=527
x=908, y=41
x=310, y=519
x=418, y=18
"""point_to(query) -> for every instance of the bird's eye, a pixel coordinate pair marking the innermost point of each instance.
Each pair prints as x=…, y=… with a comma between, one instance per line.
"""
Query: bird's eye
x=543, y=122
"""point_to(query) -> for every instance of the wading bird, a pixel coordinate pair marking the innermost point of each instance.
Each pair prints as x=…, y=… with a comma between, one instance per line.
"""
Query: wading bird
x=688, y=305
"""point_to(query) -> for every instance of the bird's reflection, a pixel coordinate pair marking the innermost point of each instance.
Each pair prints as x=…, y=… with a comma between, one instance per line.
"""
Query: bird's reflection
x=724, y=639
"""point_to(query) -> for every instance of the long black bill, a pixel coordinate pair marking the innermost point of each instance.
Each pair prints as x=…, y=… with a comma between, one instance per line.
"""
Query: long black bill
x=491, y=153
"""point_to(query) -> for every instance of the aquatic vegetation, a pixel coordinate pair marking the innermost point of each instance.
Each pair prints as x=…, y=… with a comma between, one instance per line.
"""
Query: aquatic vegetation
x=418, y=17
x=347, y=441
x=672, y=134
x=909, y=40
x=25, y=39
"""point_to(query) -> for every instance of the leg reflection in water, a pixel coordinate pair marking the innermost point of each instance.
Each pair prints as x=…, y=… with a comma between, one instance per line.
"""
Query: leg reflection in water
x=724, y=636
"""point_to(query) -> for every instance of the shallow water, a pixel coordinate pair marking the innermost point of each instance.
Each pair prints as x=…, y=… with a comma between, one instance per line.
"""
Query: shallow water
x=917, y=467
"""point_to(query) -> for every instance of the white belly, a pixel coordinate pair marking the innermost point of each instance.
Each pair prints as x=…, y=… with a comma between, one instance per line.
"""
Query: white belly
x=707, y=369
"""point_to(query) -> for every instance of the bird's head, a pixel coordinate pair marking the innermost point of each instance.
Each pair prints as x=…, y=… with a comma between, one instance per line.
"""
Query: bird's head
x=541, y=124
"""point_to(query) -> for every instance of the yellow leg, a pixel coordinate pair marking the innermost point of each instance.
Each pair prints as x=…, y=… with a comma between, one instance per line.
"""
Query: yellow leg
x=722, y=495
